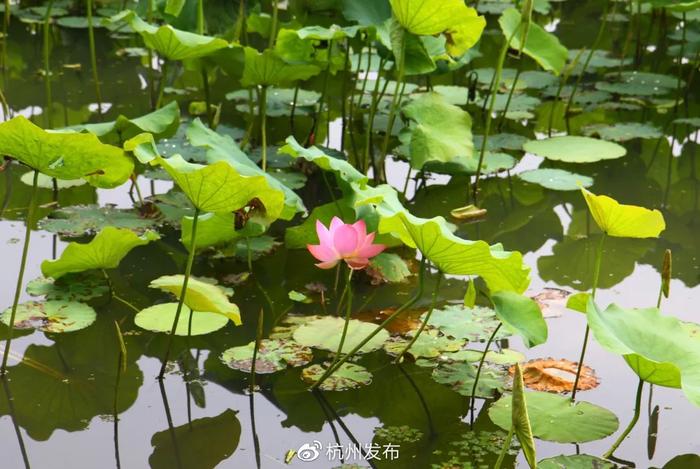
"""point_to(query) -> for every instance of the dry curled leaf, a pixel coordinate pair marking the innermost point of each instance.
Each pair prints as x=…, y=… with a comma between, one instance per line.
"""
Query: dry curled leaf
x=556, y=375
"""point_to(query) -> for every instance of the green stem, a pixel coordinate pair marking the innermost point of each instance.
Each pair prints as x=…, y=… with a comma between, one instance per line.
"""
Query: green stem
x=504, y=450
x=47, y=65
x=93, y=58
x=273, y=24
x=396, y=100
x=249, y=254
x=344, y=93
x=348, y=313
x=510, y=93
x=240, y=22
x=416, y=296
x=633, y=422
x=183, y=293
x=207, y=95
x=596, y=276
x=370, y=119
x=125, y=302
x=258, y=339
x=20, y=277
x=425, y=322
x=161, y=84
x=478, y=372
x=200, y=16
x=293, y=111
x=262, y=109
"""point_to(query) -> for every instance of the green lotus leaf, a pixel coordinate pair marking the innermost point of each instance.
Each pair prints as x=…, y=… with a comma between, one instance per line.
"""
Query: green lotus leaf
x=460, y=24
x=105, y=251
x=279, y=101
x=85, y=219
x=161, y=123
x=347, y=376
x=522, y=315
x=331, y=33
x=172, y=43
x=556, y=179
x=428, y=345
x=325, y=333
x=160, y=318
x=574, y=149
x=214, y=229
x=554, y=418
x=541, y=46
x=388, y=267
x=221, y=147
x=503, y=357
x=268, y=69
x=342, y=168
x=366, y=12
x=642, y=84
x=521, y=420
x=201, y=443
x=273, y=355
x=72, y=287
x=416, y=57
x=64, y=155
x=219, y=187
x=473, y=324
x=54, y=316
x=47, y=182
x=576, y=461
x=662, y=342
x=460, y=377
x=200, y=296
x=623, y=131
x=624, y=221
x=440, y=132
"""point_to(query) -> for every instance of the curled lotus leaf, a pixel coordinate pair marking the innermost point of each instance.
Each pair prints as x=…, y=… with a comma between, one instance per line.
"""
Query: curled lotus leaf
x=54, y=316
x=325, y=334
x=200, y=296
x=273, y=355
x=160, y=318
x=624, y=221
x=557, y=375
x=347, y=376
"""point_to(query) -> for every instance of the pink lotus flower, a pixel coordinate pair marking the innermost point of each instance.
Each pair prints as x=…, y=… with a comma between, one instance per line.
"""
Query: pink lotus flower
x=344, y=241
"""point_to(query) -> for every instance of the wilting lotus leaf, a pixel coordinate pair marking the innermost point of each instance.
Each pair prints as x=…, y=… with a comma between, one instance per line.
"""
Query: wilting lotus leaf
x=172, y=43
x=505, y=356
x=440, y=132
x=273, y=355
x=473, y=324
x=324, y=333
x=342, y=168
x=105, y=251
x=429, y=345
x=388, y=267
x=347, y=376
x=268, y=69
x=521, y=315
x=77, y=287
x=65, y=155
x=623, y=131
x=556, y=179
x=574, y=149
x=541, y=46
x=202, y=443
x=79, y=220
x=218, y=187
x=47, y=182
x=160, y=318
x=663, y=341
x=200, y=296
x=54, y=316
x=460, y=377
x=576, y=461
x=460, y=24
x=624, y=221
x=548, y=374
x=555, y=418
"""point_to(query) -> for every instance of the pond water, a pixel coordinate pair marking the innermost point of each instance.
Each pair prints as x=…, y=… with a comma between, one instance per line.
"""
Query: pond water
x=58, y=402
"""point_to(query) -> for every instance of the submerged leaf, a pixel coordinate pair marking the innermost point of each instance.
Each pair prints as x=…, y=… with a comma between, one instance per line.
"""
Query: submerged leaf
x=54, y=316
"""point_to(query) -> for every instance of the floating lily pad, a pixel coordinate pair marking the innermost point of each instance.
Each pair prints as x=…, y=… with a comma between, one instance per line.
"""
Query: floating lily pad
x=576, y=461
x=84, y=219
x=428, y=345
x=325, y=333
x=473, y=324
x=623, y=131
x=77, y=287
x=505, y=356
x=640, y=84
x=460, y=377
x=53, y=316
x=348, y=376
x=556, y=179
x=555, y=418
x=159, y=318
x=574, y=149
x=273, y=355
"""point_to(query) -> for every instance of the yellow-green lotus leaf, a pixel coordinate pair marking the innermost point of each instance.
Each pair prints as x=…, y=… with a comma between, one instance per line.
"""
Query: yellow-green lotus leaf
x=200, y=296
x=624, y=221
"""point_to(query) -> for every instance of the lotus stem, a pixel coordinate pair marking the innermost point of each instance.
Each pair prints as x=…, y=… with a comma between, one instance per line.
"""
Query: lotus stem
x=416, y=296
x=22, y=266
x=47, y=65
x=596, y=276
x=262, y=109
x=161, y=83
x=207, y=96
x=256, y=348
x=292, y=113
x=630, y=426
x=478, y=373
x=348, y=313
x=425, y=322
x=518, y=71
x=370, y=120
x=506, y=447
x=11, y=409
x=273, y=24
x=200, y=16
x=93, y=59
x=396, y=100
x=183, y=293
x=240, y=22
x=171, y=427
